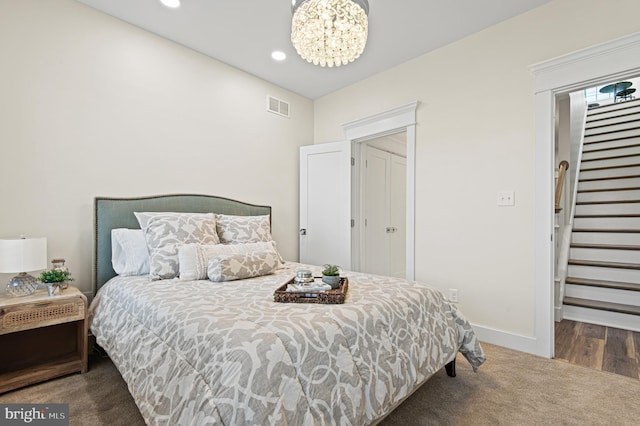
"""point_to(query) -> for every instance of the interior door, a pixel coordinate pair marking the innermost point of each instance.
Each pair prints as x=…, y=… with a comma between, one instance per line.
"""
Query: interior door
x=398, y=217
x=375, y=250
x=325, y=204
x=384, y=213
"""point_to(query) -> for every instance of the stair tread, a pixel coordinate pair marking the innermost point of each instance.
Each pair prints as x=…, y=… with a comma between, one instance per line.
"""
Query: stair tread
x=607, y=215
x=585, y=191
x=583, y=203
x=588, y=144
x=611, y=157
x=614, y=231
x=609, y=178
x=606, y=306
x=602, y=264
x=622, y=166
x=606, y=246
x=612, y=131
x=604, y=150
x=600, y=119
x=618, y=285
x=596, y=132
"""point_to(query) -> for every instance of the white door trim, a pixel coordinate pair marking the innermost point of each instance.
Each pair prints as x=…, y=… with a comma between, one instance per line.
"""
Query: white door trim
x=585, y=68
x=391, y=121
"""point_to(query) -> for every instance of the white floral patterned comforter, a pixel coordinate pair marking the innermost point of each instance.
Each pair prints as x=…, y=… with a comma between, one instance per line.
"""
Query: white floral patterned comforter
x=198, y=352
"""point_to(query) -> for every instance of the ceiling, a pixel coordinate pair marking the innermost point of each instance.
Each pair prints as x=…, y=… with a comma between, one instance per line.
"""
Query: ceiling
x=244, y=33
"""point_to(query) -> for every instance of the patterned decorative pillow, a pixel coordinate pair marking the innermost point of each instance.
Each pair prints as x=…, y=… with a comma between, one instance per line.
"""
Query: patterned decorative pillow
x=229, y=267
x=165, y=232
x=243, y=229
x=194, y=258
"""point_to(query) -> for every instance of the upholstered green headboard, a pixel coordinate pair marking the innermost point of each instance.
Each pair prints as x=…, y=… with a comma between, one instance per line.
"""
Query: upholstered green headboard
x=111, y=213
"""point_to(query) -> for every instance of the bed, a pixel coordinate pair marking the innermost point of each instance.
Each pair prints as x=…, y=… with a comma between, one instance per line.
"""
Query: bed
x=201, y=352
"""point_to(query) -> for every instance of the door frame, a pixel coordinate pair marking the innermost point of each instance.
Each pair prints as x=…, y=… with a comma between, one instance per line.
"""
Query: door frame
x=395, y=120
x=585, y=68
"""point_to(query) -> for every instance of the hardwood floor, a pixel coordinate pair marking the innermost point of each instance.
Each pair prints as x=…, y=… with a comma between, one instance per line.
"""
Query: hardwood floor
x=602, y=348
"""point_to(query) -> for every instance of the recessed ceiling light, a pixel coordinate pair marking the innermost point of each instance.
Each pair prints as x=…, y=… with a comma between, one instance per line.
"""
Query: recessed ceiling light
x=278, y=55
x=171, y=3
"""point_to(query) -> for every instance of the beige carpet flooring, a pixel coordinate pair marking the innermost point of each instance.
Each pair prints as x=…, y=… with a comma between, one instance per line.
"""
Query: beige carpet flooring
x=511, y=388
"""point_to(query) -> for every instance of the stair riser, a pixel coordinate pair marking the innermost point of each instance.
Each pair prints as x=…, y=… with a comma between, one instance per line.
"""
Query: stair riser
x=629, y=150
x=610, y=184
x=594, y=174
x=613, y=108
x=605, y=318
x=613, y=117
x=610, y=144
x=607, y=223
x=607, y=274
x=609, y=196
x=623, y=297
x=605, y=255
x=618, y=135
x=622, y=125
x=605, y=238
x=629, y=208
x=615, y=162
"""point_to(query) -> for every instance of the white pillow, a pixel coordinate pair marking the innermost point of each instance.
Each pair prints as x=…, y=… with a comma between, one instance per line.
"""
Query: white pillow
x=164, y=232
x=194, y=258
x=129, y=253
x=243, y=229
x=229, y=267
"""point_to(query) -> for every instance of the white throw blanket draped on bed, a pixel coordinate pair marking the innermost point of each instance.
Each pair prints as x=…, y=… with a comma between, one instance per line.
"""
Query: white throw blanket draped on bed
x=199, y=352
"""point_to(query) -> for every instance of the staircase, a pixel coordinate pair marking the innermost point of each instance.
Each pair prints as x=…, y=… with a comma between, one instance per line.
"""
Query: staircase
x=603, y=276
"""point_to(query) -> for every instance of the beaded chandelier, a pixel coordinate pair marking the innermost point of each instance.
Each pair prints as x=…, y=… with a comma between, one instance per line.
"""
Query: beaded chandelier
x=329, y=32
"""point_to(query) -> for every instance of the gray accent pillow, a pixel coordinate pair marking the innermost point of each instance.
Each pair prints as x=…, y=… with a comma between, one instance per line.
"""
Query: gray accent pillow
x=243, y=229
x=229, y=267
x=165, y=232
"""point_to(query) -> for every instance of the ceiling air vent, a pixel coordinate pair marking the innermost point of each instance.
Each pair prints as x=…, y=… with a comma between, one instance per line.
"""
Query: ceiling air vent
x=277, y=106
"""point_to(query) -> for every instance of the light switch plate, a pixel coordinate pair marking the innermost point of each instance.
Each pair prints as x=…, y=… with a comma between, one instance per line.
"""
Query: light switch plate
x=506, y=198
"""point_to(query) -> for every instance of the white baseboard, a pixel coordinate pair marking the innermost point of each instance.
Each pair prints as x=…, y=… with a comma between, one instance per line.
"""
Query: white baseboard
x=505, y=339
x=558, y=313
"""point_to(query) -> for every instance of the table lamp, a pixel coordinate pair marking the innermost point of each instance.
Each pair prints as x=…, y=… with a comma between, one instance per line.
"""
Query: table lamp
x=22, y=255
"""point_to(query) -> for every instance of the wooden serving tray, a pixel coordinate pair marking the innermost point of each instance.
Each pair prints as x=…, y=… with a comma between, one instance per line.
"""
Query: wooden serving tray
x=336, y=296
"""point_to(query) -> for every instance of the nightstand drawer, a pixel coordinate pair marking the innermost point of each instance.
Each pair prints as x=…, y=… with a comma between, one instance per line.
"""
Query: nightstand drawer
x=40, y=314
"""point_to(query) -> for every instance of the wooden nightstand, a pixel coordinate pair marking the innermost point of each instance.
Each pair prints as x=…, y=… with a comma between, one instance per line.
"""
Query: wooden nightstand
x=42, y=337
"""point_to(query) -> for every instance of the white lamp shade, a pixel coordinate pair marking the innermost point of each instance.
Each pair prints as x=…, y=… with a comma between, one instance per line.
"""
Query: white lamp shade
x=23, y=255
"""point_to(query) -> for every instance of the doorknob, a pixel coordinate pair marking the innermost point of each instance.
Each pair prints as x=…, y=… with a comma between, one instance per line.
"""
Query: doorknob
x=303, y=231
x=391, y=229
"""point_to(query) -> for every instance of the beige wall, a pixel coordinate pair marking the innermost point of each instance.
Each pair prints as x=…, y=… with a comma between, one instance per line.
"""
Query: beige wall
x=475, y=137
x=91, y=106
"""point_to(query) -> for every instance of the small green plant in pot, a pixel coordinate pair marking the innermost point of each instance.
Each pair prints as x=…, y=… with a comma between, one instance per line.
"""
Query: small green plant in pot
x=55, y=278
x=331, y=275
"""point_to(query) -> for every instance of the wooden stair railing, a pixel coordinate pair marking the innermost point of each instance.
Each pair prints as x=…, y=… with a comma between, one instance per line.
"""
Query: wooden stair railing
x=564, y=165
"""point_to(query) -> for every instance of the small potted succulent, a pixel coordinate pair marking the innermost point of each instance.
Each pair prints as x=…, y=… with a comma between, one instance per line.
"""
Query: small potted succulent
x=55, y=278
x=331, y=275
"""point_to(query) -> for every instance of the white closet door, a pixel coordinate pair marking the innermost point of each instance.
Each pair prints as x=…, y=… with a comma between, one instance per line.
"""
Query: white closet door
x=398, y=217
x=325, y=204
x=384, y=201
x=376, y=211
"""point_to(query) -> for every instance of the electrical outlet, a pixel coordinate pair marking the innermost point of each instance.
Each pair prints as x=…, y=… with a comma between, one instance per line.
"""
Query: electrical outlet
x=506, y=198
x=453, y=295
